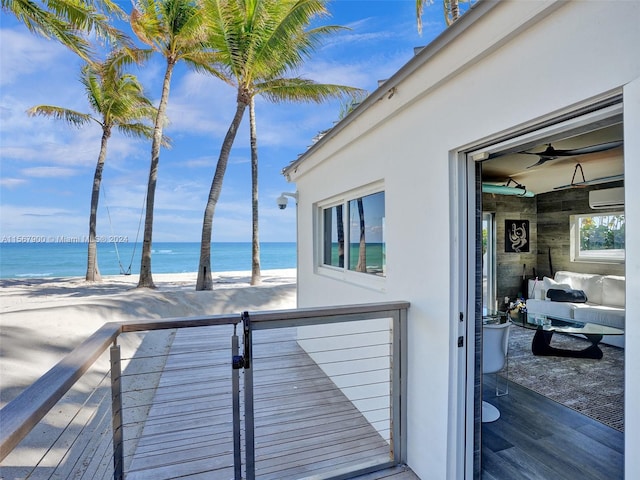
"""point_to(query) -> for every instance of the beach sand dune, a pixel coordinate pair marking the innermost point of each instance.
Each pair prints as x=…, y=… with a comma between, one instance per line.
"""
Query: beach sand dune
x=41, y=320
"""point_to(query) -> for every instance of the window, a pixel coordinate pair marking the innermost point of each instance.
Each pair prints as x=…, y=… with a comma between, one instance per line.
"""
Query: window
x=359, y=224
x=334, y=236
x=598, y=238
x=489, y=263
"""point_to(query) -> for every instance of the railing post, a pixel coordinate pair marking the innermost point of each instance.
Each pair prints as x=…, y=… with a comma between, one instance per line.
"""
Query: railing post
x=116, y=413
x=404, y=370
x=248, y=399
x=235, y=392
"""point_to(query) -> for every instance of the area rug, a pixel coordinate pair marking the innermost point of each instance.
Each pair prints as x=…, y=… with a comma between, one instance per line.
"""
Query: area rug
x=592, y=387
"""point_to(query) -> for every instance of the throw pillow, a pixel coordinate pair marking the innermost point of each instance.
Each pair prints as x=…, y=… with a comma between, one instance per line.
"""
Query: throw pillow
x=551, y=283
x=573, y=296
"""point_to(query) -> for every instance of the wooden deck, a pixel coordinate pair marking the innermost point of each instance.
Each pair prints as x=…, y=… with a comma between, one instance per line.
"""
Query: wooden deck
x=304, y=425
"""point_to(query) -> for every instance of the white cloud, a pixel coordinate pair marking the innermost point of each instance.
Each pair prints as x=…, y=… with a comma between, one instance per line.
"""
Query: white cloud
x=353, y=74
x=204, y=161
x=27, y=54
x=350, y=38
x=193, y=117
x=41, y=220
x=12, y=182
x=240, y=160
x=49, y=172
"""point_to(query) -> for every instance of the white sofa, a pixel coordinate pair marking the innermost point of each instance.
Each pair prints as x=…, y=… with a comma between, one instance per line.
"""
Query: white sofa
x=605, y=303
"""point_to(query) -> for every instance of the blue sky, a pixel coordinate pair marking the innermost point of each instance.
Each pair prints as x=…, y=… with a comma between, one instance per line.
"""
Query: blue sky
x=47, y=167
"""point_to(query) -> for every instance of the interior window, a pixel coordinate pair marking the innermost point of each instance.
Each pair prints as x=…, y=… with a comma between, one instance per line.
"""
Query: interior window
x=598, y=238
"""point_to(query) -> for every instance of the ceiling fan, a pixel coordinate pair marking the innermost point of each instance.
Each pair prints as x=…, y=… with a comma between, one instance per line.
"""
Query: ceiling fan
x=585, y=183
x=551, y=153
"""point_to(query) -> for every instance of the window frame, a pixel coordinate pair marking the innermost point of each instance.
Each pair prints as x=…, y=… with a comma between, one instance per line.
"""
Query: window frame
x=369, y=279
x=616, y=256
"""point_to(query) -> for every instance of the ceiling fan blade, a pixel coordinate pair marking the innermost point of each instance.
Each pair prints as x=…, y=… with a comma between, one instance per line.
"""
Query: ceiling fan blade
x=551, y=153
x=541, y=161
x=601, y=147
x=548, y=152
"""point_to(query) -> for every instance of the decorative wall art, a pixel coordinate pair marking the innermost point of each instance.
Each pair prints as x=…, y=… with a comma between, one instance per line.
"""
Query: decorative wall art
x=516, y=236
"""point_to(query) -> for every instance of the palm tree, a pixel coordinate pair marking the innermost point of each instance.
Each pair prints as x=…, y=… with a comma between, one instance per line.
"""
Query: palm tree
x=65, y=20
x=451, y=10
x=118, y=100
x=173, y=28
x=260, y=41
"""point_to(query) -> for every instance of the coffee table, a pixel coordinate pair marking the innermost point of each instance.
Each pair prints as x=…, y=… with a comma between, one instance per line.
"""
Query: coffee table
x=545, y=326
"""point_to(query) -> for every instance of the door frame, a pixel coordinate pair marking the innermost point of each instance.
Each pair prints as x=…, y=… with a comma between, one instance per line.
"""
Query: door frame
x=466, y=263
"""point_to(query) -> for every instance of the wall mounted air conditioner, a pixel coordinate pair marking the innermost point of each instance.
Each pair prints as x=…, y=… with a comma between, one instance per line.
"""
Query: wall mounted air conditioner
x=606, y=198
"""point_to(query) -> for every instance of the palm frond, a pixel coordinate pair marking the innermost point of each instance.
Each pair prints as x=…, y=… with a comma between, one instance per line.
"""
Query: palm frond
x=141, y=130
x=208, y=62
x=116, y=97
x=123, y=57
x=108, y=7
x=90, y=16
x=173, y=28
x=419, y=10
x=47, y=24
x=145, y=26
x=290, y=29
x=76, y=119
x=90, y=79
x=304, y=90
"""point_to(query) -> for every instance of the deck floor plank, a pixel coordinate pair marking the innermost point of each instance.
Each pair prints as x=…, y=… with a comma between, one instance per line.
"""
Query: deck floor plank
x=304, y=425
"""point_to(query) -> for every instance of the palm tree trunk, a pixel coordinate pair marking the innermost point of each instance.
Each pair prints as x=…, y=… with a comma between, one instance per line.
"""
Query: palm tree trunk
x=339, y=221
x=146, y=279
x=255, y=239
x=451, y=11
x=455, y=10
x=93, y=273
x=205, y=281
x=362, y=250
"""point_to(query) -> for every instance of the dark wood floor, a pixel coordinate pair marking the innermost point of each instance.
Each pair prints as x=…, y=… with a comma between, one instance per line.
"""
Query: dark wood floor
x=537, y=438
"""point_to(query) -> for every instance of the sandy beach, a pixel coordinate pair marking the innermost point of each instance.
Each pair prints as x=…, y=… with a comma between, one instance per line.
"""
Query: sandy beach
x=43, y=319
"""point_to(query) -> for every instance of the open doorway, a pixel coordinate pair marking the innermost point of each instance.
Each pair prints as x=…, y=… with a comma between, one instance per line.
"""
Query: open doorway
x=544, y=229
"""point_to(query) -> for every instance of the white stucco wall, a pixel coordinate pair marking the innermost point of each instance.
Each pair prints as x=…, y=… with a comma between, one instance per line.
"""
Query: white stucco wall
x=522, y=62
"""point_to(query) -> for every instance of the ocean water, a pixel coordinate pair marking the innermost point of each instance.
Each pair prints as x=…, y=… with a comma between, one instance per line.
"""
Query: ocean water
x=30, y=259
